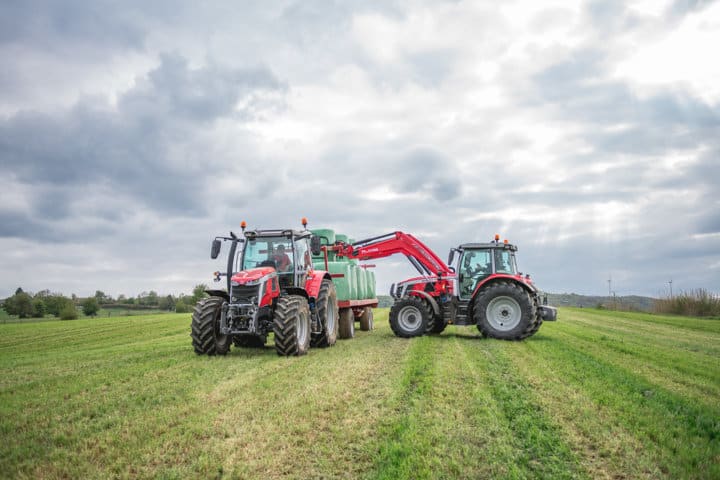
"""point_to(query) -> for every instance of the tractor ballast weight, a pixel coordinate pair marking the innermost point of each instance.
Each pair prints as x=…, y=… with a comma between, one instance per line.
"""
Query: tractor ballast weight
x=483, y=288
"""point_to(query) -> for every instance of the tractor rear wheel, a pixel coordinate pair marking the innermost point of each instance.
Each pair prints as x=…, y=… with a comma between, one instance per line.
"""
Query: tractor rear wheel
x=205, y=328
x=504, y=310
x=347, y=323
x=409, y=317
x=366, y=319
x=291, y=325
x=249, y=341
x=327, y=308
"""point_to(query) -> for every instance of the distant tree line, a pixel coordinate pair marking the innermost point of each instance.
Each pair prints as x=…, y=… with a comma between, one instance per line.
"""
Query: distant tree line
x=45, y=302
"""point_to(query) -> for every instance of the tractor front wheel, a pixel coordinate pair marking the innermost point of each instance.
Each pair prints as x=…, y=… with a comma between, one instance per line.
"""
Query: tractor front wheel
x=504, y=310
x=291, y=326
x=327, y=308
x=205, y=328
x=409, y=317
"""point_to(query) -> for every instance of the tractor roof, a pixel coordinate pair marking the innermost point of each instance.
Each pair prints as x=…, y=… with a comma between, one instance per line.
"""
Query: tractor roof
x=277, y=233
x=475, y=246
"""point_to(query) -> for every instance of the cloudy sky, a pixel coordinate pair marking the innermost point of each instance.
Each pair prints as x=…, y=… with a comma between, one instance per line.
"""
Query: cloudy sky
x=133, y=132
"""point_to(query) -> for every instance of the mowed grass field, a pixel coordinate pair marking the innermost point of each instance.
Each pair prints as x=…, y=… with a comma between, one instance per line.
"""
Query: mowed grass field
x=595, y=395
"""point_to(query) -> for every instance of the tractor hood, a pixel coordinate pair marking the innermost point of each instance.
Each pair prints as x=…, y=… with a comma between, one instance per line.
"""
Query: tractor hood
x=252, y=275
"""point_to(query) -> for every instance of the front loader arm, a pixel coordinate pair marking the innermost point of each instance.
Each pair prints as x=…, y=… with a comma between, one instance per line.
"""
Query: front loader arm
x=419, y=254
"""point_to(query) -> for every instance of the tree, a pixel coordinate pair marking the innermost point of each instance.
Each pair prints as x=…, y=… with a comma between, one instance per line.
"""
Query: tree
x=90, y=306
x=199, y=292
x=18, y=290
x=68, y=311
x=166, y=303
x=39, y=307
x=20, y=304
x=181, y=307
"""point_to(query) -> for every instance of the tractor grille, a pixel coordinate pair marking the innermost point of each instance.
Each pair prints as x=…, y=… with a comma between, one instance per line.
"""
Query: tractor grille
x=244, y=294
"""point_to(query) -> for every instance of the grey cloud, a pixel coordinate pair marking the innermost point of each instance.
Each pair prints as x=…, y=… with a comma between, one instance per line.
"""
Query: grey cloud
x=133, y=147
x=56, y=26
x=425, y=169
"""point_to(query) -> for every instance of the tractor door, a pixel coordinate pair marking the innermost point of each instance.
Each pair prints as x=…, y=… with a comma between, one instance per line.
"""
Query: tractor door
x=474, y=266
x=302, y=261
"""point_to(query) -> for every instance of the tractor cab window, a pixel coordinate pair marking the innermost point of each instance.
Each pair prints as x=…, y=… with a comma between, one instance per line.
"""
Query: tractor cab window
x=273, y=252
x=505, y=262
x=474, y=265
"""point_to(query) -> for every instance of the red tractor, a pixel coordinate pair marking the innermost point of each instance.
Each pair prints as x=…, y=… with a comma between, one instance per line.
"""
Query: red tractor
x=483, y=288
x=271, y=287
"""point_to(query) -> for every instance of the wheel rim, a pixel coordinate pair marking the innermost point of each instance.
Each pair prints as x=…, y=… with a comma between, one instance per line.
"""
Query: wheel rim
x=302, y=329
x=410, y=318
x=331, y=320
x=503, y=313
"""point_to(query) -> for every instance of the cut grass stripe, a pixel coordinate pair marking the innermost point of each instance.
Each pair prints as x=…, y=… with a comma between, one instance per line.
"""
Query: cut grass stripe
x=682, y=434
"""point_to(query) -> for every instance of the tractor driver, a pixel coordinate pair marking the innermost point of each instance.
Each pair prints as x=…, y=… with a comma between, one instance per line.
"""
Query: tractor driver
x=281, y=258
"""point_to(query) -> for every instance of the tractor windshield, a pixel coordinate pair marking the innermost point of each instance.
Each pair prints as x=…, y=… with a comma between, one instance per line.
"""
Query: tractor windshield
x=505, y=262
x=276, y=252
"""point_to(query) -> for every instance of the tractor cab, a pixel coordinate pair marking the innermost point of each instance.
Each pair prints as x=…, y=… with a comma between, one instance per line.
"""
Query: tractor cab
x=477, y=261
x=286, y=251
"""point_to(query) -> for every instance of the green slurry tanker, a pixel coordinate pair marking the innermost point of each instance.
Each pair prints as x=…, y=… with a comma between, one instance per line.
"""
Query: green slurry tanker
x=354, y=283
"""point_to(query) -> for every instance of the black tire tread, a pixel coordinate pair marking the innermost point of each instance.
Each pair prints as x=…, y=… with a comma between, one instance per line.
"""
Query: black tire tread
x=202, y=328
x=527, y=304
x=325, y=295
x=401, y=303
x=366, y=319
x=288, y=313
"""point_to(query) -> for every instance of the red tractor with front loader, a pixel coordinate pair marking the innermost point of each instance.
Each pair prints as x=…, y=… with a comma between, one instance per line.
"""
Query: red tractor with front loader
x=482, y=287
x=271, y=287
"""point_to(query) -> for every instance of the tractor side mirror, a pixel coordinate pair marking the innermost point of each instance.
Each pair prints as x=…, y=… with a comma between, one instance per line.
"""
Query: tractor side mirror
x=215, y=250
x=315, y=245
x=451, y=256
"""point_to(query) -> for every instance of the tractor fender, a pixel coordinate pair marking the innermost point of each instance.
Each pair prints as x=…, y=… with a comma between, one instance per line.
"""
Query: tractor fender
x=312, y=286
x=297, y=291
x=508, y=278
x=429, y=298
x=218, y=293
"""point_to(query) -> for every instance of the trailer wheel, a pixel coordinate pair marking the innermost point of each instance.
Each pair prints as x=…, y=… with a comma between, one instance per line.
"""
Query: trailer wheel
x=250, y=341
x=205, y=328
x=291, y=325
x=366, y=319
x=505, y=310
x=327, y=308
x=347, y=323
x=409, y=317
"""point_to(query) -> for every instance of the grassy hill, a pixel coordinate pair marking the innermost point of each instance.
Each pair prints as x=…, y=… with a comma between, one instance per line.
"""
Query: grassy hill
x=596, y=395
x=627, y=302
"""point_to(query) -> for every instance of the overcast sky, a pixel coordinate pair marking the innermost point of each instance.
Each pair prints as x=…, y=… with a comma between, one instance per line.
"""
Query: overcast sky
x=131, y=133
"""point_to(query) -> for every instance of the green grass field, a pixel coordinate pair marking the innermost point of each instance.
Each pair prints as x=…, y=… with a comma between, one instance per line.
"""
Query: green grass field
x=596, y=395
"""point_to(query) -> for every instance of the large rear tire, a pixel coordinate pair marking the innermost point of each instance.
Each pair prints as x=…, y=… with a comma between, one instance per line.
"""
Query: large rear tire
x=409, y=317
x=291, y=326
x=328, y=313
x=366, y=320
x=506, y=311
x=347, y=324
x=205, y=328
